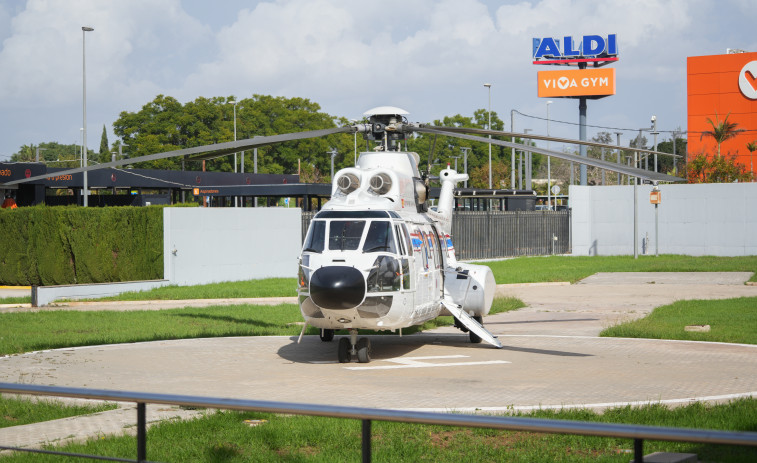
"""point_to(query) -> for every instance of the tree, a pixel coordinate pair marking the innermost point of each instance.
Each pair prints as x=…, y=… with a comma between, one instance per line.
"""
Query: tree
x=719, y=169
x=446, y=150
x=166, y=125
x=721, y=131
x=52, y=153
x=752, y=147
x=668, y=163
x=104, y=150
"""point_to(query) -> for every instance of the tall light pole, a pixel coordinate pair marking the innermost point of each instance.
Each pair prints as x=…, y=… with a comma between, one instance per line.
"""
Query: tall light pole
x=354, y=121
x=655, y=133
x=236, y=199
x=549, y=167
x=512, y=150
x=525, y=164
x=489, y=86
x=465, y=162
x=84, y=31
x=81, y=147
x=333, y=154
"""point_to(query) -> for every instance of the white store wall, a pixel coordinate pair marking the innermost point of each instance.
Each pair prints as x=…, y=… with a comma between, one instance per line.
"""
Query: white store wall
x=718, y=219
x=207, y=245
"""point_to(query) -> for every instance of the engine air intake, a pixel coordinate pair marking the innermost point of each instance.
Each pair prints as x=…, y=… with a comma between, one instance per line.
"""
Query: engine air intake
x=381, y=184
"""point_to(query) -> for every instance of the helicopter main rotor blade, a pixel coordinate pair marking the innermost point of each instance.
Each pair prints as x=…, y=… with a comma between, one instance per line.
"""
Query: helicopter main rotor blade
x=545, y=138
x=211, y=151
x=634, y=172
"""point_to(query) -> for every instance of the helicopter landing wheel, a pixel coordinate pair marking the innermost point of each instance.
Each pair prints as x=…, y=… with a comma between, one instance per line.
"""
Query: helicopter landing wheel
x=344, y=350
x=474, y=338
x=327, y=335
x=364, y=350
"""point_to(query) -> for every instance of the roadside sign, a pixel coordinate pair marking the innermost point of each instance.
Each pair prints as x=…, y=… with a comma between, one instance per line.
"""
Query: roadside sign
x=655, y=197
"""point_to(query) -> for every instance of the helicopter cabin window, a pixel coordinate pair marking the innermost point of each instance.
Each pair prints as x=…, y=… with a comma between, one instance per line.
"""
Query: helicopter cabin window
x=344, y=235
x=316, y=239
x=406, y=238
x=379, y=238
x=438, y=247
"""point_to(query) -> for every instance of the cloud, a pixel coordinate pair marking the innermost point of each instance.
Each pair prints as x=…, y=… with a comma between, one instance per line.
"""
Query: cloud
x=42, y=58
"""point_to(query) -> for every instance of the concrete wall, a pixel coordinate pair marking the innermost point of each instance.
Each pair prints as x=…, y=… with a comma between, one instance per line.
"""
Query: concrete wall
x=717, y=219
x=206, y=245
x=45, y=295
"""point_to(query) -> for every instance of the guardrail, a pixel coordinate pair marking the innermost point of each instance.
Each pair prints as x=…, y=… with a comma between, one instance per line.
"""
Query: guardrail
x=366, y=415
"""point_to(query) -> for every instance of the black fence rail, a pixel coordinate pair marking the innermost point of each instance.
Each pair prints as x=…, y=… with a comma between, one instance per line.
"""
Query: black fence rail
x=366, y=415
x=497, y=234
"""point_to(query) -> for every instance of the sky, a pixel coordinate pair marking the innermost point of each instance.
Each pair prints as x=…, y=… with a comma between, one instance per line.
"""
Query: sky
x=429, y=57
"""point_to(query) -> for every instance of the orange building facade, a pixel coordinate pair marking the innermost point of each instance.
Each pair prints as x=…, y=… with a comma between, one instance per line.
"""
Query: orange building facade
x=723, y=85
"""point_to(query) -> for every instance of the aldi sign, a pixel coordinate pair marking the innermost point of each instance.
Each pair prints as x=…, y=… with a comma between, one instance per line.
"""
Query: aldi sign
x=590, y=48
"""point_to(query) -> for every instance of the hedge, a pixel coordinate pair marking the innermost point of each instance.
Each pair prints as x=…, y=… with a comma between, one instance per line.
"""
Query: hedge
x=44, y=245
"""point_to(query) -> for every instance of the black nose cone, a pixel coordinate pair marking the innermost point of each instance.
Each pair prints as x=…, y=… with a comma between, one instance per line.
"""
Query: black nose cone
x=337, y=287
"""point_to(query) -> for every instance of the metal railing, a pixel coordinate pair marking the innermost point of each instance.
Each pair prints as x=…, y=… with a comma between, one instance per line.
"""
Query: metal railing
x=366, y=415
x=497, y=234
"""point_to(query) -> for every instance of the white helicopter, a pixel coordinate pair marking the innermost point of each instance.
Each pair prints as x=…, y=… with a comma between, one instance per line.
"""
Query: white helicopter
x=376, y=258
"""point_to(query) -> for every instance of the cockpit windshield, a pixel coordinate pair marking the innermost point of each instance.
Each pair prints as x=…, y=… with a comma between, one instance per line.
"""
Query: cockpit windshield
x=346, y=235
x=379, y=238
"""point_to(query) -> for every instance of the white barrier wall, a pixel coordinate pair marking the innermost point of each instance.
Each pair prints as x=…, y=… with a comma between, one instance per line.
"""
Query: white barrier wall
x=718, y=219
x=206, y=245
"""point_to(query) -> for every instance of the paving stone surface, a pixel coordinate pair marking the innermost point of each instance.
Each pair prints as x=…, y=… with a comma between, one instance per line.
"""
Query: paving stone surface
x=551, y=357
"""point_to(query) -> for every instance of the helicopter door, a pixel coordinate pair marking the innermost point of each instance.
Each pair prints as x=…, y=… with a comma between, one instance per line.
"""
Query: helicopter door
x=439, y=254
x=406, y=259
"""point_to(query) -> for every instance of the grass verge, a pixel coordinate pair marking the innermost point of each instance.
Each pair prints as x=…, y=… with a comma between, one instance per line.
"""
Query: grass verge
x=730, y=320
x=269, y=287
x=17, y=412
x=574, y=268
x=24, y=332
x=224, y=436
x=16, y=300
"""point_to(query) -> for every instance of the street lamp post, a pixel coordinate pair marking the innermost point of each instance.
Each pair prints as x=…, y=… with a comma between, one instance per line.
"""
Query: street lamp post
x=236, y=199
x=333, y=154
x=36, y=158
x=84, y=31
x=354, y=121
x=81, y=147
x=512, y=150
x=465, y=162
x=489, y=86
x=525, y=162
x=549, y=167
x=655, y=133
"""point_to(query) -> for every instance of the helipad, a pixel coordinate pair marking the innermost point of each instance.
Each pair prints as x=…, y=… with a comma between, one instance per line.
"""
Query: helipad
x=552, y=358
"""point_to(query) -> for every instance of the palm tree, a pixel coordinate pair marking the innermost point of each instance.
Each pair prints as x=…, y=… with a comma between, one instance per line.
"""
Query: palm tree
x=721, y=131
x=752, y=147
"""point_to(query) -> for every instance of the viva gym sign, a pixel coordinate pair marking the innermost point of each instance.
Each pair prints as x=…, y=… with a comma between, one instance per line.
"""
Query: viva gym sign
x=569, y=50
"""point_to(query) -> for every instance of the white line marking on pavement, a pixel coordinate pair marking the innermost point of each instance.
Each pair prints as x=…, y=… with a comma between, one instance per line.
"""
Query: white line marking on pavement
x=414, y=362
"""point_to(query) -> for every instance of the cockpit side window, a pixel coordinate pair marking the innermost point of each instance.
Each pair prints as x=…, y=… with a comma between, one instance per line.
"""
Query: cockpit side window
x=406, y=238
x=379, y=238
x=344, y=235
x=316, y=239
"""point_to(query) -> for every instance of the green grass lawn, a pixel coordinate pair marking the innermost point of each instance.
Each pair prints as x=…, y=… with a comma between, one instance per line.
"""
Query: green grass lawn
x=16, y=412
x=518, y=270
x=730, y=320
x=225, y=437
x=16, y=300
x=24, y=332
x=269, y=287
x=573, y=268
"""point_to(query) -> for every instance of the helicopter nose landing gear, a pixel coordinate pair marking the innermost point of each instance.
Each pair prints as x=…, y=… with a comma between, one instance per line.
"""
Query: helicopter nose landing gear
x=354, y=346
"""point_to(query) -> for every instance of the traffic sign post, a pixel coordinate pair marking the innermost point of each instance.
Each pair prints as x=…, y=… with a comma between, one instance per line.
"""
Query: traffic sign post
x=655, y=197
